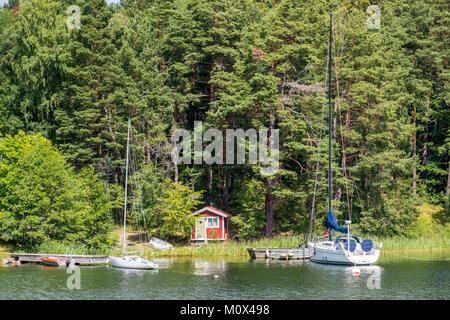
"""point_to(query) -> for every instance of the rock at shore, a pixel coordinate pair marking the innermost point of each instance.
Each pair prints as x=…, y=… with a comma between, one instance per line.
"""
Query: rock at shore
x=9, y=261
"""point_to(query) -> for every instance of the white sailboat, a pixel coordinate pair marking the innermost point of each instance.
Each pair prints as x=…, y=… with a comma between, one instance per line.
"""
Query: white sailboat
x=130, y=262
x=345, y=250
x=133, y=262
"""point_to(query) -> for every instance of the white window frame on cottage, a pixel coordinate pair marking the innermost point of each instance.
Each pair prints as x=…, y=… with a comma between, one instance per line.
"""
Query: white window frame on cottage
x=212, y=218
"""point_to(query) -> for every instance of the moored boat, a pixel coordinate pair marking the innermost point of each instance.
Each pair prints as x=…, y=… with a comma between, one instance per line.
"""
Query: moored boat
x=345, y=250
x=52, y=262
x=133, y=262
x=160, y=244
x=129, y=262
x=340, y=251
x=330, y=252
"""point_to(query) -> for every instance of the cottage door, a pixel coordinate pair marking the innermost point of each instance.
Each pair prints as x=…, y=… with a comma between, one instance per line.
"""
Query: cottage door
x=200, y=227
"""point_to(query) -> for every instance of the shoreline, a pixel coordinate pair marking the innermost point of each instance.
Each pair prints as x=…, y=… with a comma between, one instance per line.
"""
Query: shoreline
x=238, y=249
x=187, y=252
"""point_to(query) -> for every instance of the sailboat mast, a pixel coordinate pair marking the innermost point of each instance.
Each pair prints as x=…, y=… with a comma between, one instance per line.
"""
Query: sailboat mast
x=126, y=189
x=330, y=119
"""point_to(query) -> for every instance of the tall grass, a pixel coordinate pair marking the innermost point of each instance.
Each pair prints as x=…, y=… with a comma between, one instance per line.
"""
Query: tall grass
x=3, y=251
x=403, y=244
x=55, y=247
x=438, y=241
x=230, y=248
x=239, y=249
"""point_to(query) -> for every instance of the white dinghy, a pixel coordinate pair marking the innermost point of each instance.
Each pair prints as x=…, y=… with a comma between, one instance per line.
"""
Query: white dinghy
x=130, y=262
x=160, y=244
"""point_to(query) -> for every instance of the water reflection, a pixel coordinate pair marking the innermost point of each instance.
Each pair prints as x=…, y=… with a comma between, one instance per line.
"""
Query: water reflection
x=236, y=279
x=135, y=272
x=164, y=263
x=281, y=263
x=369, y=278
x=207, y=268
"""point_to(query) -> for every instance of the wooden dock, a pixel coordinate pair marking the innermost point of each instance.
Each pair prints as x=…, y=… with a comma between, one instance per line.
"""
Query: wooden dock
x=81, y=260
x=299, y=253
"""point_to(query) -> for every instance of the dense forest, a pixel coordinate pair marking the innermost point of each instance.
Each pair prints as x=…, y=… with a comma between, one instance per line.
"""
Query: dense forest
x=66, y=95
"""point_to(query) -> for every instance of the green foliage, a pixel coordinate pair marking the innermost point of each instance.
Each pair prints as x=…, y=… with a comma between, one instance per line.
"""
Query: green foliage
x=56, y=247
x=148, y=186
x=433, y=221
x=250, y=221
x=175, y=209
x=43, y=199
x=232, y=64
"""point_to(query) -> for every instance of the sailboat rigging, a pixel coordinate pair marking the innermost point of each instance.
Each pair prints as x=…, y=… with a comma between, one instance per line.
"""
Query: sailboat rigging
x=129, y=262
x=346, y=250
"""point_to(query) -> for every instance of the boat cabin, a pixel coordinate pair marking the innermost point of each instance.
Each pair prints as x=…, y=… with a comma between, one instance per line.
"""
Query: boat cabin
x=210, y=224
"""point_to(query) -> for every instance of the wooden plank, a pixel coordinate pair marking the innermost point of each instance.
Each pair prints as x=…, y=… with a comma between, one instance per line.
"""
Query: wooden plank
x=280, y=253
x=78, y=259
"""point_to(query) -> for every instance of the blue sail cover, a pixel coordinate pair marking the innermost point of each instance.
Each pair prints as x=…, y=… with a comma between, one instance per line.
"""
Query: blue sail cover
x=332, y=223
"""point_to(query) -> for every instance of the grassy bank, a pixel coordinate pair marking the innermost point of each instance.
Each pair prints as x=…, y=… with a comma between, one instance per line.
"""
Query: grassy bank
x=431, y=232
x=239, y=249
x=229, y=248
x=3, y=251
x=55, y=247
x=398, y=244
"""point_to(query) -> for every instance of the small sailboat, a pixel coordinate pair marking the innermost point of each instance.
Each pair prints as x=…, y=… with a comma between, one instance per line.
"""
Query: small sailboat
x=345, y=250
x=130, y=262
x=133, y=262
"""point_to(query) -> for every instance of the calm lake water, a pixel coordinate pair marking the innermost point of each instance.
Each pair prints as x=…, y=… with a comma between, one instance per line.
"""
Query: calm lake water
x=392, y=278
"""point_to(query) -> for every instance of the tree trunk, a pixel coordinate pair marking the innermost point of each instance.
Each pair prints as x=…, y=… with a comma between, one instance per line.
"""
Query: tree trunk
x=209, y=178
x=148, y=154
x=426, y=130
x=448, y=183
x=270, y=182
x=225, y=190
x=269, y=209
x=175, y=169
x=174, y=127
x=414, y=147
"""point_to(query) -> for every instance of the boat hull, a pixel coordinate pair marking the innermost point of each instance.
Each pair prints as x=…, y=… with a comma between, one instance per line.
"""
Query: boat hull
x=133, y=263
x=160, y=244
x=340, y=256
x=52, y=262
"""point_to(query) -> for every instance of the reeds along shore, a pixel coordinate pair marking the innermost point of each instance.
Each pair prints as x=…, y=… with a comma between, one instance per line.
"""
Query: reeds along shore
x=238, y=249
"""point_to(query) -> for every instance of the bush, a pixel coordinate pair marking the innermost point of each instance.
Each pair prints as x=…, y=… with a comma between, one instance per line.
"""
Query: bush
x=251, y=219
x=430, y=222
x=175, y=210
x=42, y=199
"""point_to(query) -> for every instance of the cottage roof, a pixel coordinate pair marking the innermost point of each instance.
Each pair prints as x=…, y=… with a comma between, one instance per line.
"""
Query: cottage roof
x=213, y=210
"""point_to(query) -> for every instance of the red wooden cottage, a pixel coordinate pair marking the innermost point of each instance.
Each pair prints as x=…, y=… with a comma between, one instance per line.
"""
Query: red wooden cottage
x=210, y=224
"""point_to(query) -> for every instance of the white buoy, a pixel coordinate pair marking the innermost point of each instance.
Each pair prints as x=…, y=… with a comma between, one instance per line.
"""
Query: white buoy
x=356, y=272
x=216, y=276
